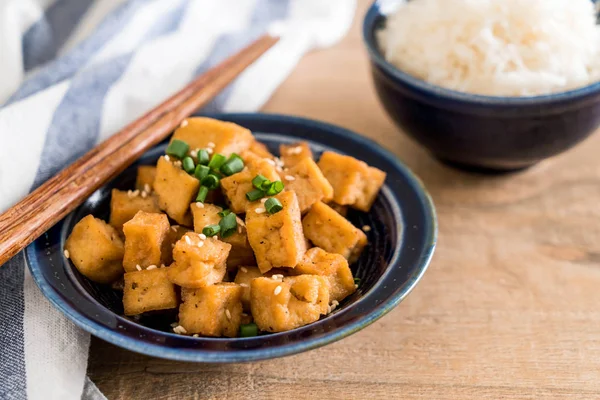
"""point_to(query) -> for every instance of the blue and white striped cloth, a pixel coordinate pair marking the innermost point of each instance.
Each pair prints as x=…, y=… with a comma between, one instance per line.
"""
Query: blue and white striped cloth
x=72, y=72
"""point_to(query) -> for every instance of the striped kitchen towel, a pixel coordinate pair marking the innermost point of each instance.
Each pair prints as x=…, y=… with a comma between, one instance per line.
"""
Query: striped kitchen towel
x=72, y=72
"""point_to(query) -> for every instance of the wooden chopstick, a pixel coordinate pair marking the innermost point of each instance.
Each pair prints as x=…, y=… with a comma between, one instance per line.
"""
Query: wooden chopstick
x=61, y=194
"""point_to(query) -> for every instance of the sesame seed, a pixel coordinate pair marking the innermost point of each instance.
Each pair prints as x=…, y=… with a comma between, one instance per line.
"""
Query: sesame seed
x=167, y=158
x=335, y=303
x=138, y=267
x=289, y=178
x=277, y=290
x=270, y=161
x=211, y=144
x=195, y=335
x=355, y=286
x=66, y=253
x=200, y=243
x=263, y=200
x=177, y=163
x=295, y=150
x=244, y=269
x=239, y=229
x=174, y=228
x=202, y=236
x=180, y=330
x=194, y=153
x=187, y=240
x=184, y=123
x=278, y=169
x=163, y=266
x=259, y=210
x=130, y=194
x=277, y=276
x=144, y=195
x=199, y=204
x=151, y=267
x=366, y=228
x=174, y=324
x=209, y=150
x=227, y=314
x=244, y=285
x=244, y=314
x=147, y=188
x=278, y=162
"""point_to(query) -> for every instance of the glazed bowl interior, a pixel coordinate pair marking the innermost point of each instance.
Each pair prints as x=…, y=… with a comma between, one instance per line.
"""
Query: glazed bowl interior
x=401, y=242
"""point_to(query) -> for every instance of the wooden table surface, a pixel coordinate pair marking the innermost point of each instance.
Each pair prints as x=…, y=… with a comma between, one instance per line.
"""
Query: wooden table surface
x=509, y=308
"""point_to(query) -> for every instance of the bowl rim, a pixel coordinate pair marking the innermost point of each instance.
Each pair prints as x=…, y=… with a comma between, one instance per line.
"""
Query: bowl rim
x=163, y=350
x=374, y=15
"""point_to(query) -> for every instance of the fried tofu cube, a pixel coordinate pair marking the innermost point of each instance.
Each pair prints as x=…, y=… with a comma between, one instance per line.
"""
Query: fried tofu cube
x=145, y=178
x=124, y=205
x=175, y=233
x=293, y=153
x=176, y=189
x=279, y=306
x=332, y=266
x=354, y=182
x=244, y=277
x=237, y=185
x=148, y=290
x=198, y=262
x=309, y=183
x=328, y=230
x=260, y=149
x=144, y=236
x=96, y=250
x=241, y=253
x=202, y=132
x=277, y=239
x=212, y=311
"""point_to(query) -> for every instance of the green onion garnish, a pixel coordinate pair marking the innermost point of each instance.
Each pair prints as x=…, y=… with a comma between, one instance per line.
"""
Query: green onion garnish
x=211, y=230
x=357, y=281
x=202, y=193
x=248, y=330
x=255, y=194
x=275, y=188
x=178, y=148
x=224, y=213
x=203, y=157
x=188, y=165
x=259, y=181
x=235, y=155
x=232, y=166
x=228, y=225
x=211, y=181
x=201, y=172
x=217, y=161
x=272, y=205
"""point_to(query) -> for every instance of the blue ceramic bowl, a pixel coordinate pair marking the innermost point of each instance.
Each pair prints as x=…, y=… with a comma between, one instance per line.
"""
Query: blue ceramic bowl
x=402, y=241
x=480, y=132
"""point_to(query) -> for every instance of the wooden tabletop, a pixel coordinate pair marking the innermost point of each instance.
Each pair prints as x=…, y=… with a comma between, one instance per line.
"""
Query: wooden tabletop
x=509, y=308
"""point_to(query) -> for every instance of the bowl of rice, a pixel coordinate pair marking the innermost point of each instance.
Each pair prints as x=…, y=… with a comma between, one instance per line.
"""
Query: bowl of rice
x=492, y=85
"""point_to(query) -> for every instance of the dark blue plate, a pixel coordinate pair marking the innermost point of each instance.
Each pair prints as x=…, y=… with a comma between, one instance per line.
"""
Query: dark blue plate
x=402, y=240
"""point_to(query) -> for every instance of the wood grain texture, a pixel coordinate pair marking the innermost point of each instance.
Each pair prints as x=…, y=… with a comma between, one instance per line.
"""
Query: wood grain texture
x=509, y=307
x=52, y=201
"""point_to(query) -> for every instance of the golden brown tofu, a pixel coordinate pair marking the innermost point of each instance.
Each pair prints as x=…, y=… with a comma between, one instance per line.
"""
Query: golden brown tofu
x=176, y=189
x=354, y=182
x=223, y=137
x=144, y=236
x=241, y=253
x=96, y=250
x=148, y=290
x=306, y=179
x=198, y=262
x=244, y=278
x=175, y=233
x=212, y=311
x=145, y=178
x=237, y=185
x=124, y=205
x=279, y=306
x=328, y=230
x=333, y=266
x=293, y=153
x=261, y=150
x=277, y=239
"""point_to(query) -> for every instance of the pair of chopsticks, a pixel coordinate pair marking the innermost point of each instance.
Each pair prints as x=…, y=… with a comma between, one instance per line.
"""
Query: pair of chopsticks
x=61, y=194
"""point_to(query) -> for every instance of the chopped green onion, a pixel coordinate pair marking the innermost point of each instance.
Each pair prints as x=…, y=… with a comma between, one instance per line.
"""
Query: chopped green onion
x=255, y=194
x=211, y=181
x=211, y=230
x=272, y=205
x=228, y=225
x=275, y=188
x=201, y=172
x=202, y=193
x=259, y=181
x=178, y=148
x=188, y=165
x=233, y=166
x=217, y=161
x=248, y=330
x=357, y=281
x=224, y=213
x=235, y=155
x=203, y=157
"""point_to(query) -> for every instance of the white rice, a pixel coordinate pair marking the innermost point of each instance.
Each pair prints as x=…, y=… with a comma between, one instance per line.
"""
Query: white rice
x=496, y=47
